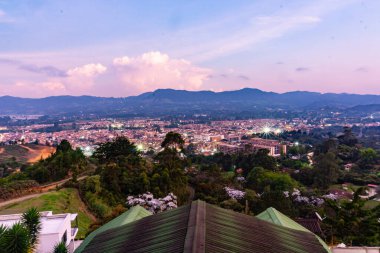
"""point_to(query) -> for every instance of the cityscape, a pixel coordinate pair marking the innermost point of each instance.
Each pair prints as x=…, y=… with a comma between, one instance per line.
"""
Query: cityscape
x=189, y=126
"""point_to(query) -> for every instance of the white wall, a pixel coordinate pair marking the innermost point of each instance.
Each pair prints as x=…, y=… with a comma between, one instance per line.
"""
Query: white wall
x=357, y=250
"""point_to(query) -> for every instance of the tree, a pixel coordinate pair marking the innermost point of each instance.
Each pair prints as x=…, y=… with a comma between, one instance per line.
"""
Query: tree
x=351, y=222
x=260, y=179
x=348, y=138
x=326, y=170
x=60, y=248
x=173, y=140
x=112, y=151
x=31, y=220
x=368, y=158
x=64, y=146
x=329, y=145
x=15, y=239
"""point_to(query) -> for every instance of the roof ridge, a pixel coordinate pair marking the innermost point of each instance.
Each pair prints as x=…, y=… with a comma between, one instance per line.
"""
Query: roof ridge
x=195, y=240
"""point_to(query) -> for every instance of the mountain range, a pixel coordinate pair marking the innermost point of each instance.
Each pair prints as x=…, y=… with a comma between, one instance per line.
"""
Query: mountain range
x=177, y=101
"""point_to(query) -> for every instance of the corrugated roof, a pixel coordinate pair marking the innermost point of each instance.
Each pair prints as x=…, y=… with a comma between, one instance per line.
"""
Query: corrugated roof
x=133, y=214
x=311, y=224
x=200, y=227
x=274, y=216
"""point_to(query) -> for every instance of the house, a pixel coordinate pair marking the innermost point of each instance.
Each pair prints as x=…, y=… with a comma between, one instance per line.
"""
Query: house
x=133, y=214
x=55, y=228
x=200, y=227
x=276, y=217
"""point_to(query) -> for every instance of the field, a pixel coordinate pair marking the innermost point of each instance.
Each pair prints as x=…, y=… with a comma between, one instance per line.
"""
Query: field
x=66, y=200
x=29, y=153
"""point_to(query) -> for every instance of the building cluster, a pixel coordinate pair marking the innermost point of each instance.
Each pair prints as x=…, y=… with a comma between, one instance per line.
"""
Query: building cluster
x=147, y=134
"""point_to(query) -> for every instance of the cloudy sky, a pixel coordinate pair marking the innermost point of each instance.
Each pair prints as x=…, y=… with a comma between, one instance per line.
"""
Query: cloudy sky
x=121, y=48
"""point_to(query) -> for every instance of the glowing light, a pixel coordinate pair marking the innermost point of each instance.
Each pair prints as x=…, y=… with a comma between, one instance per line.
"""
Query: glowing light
x=266, y=130
x=140, y=147
x=296, y=143
x=278, y=131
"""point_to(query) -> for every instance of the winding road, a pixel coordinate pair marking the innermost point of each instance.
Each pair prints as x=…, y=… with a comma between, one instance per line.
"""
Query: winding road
x=43, y=188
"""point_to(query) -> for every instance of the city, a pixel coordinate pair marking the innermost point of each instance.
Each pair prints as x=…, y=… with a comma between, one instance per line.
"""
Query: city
x=189, y=126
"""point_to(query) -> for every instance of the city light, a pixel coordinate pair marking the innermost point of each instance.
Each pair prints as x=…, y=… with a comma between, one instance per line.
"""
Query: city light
x=266, y=130
x=278, y=131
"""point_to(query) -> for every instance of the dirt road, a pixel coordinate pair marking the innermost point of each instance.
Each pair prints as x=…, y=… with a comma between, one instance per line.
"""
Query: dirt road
x=43, y=188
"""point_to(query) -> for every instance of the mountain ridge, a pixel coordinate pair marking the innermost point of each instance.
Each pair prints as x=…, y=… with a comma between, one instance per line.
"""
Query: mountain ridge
x=172, y=100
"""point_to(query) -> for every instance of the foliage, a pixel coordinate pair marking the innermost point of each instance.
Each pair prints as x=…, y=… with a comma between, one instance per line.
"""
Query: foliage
x=63, y=162
x=15, y=239
x=14, y=189
x=66, y=200
x=260, y=179
x=350, y=222
x=173, y=140
x=152, y=204
x=112, y=151
x=326, y=170
x=31, y=219
x=60, y=248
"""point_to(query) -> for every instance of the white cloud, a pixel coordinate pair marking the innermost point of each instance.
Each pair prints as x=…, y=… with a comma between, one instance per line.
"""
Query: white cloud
x=81, y=79
x=121, y=61
x=88, y=70
x=154, y=70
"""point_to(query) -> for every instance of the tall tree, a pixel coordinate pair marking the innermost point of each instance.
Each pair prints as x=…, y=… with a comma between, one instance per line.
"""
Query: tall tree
x=173, y=140
x=112, y=151
x=326, y=170
x=31, y=220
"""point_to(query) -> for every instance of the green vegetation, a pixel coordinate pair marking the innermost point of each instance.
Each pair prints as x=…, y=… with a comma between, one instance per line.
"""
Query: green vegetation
x=60, y=248
x=297, y=184
x=63, y=201
x=22, y=236
x=65, y=161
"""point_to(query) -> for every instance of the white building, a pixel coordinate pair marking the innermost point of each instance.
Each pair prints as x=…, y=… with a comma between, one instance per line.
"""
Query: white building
x=54, y=229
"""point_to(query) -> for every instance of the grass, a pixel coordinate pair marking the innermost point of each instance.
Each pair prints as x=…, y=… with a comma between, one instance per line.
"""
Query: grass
x=370, y=204
x=66, y=200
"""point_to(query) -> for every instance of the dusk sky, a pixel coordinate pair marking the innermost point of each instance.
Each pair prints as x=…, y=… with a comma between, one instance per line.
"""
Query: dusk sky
x=122, y=48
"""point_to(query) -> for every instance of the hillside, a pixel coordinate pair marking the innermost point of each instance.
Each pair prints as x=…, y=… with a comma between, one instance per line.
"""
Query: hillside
x=169, y=100
x=29, y=153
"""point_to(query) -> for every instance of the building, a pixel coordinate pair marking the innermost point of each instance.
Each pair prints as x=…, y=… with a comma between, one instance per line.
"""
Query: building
x=229, y=148
x=274, y=147
x=133, y=214
x=200, y=227
x=55, y=228
x=276, y=217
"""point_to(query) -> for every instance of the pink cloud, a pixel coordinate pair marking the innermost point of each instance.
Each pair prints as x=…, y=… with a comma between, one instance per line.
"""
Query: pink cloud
x=154, y=70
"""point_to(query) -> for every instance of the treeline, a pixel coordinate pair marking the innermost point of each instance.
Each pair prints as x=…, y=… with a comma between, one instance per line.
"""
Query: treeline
x=63, y=163
x=123, y=171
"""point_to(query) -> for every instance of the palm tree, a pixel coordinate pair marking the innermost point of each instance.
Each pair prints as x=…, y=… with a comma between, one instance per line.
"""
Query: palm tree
x=31, y=220
x=60, y=248
x=15, y=239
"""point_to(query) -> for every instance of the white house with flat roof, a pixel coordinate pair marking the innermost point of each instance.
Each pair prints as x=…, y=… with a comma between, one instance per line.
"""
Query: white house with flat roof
x=54, y=229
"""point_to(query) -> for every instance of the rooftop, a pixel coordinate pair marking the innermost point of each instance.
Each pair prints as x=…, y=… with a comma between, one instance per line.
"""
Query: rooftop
x=200, y=227
x=51, y=223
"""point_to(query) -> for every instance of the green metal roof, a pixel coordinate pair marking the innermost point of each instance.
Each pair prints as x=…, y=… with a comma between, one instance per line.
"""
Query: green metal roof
x=133, y=214
x=200, y=227
x=274, y=216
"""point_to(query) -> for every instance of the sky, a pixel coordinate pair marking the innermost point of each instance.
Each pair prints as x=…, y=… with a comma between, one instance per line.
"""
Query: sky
x=121, y=48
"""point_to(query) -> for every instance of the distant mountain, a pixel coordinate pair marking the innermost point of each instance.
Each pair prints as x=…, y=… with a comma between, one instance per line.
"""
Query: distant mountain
x=177, y=101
